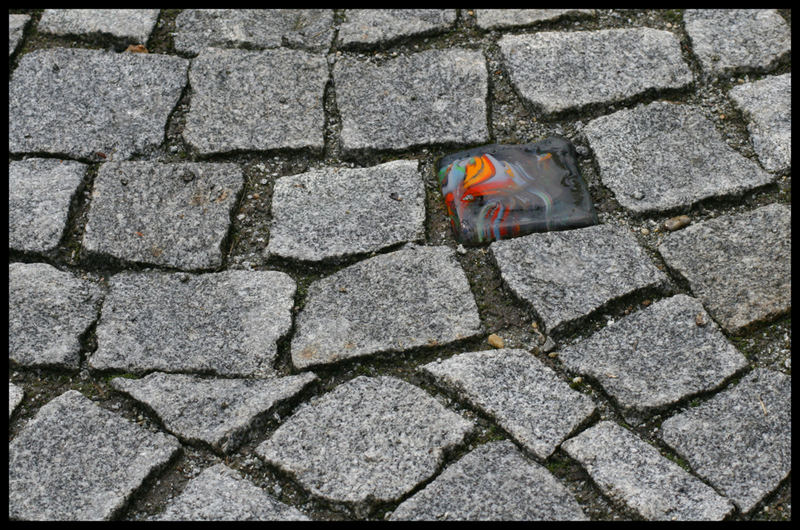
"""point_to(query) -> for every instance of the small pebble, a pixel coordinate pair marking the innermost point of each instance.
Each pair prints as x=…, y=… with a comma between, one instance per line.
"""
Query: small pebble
x=700, y=320
x=676, y=222
x=495, y=341
x=461, y=250
x=578, y=380
x=645, y=232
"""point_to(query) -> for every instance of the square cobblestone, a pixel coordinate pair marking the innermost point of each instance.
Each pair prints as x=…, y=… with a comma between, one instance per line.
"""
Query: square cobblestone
x=379, y=26
x=133, y=24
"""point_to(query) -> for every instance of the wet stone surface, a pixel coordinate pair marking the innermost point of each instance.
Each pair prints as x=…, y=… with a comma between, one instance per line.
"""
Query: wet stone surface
x=82, y=102
x=738, y=265
x=633, y=472
x=133, y=24
x=664, y=156
x=509, y=18
x=526, y=398
x=740, y=439
x=225, y=323
x=16, y=27
x=493, y=482
x=374, y=26
x=77, y=461
x=48, y=311
x=333, y=213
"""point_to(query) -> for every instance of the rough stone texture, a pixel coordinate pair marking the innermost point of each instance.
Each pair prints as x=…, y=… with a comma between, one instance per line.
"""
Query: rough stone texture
x=225, y=323
x=219, y=412
x=525, y=397
x=370, y=440
x=16, y=28
x=739, y=440
x=373, y=26
x=39, y=195
x=221, y=494
x=173, y=215
x=134, y=24
x=632, y=472
x=15, y=395
x=77, y=103
x=417, y=296
x=735, y=39
x=768, y=107
x=48, y=311
x=551, y=271
x=431, y=97
x=493, y=482
x=664, y=156
x=508, y=18
x=656, y=357
x=77, y=461
x=738, y=265
x=197, y=29
x=333, y=213
x=557, y=71
x=255, y=100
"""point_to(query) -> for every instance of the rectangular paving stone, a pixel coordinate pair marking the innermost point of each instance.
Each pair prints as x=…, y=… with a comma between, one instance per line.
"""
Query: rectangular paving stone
x=218, y=412
x=134, y=24
x=767, y=104
x=494, y=482
x=380, y=26
x=738, y=265
x=77, y=103
x=256, y=101
x=656, y=357
x=509, y=18
x=416, y=296
x=16, y=28
x=741, y=439
x=337, y=212
x=369, y=441
x=631, y=471
x=77, y=461
x=727, y=40
x=15, y=395
x=664, y=156
x=197, y=29
x=170, y=215
x=221, y=494
x=430, y=97
x=558, y=71
x=225, y=323
x=566, y=276
x=39, y=194
x=48, y=311
x=521, y=394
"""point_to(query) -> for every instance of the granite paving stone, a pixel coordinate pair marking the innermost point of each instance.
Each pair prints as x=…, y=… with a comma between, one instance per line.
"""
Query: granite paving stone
x=767, y=104
x=416, y=296
x=525, y=397
x=256, y=101
x=77, y=461
x=338, y=212
x=379, y=26
x=509, y=18
x=738, y=265
x=225, y=323
x=727, y=40
x=48, y=312
x=197, y=29
x=16, y=28
x=631, y=471
x=551, y=271
x=430, y=97
x=557, y=71
x=493, y=482
x=740, y=439
x=219, y=412
x=221, y=494
x=171, y=215
x=15, y=395
x=656, y=357
x=370, y=440
x=39, y=194
x=664, y=156
x=76, y=103
x=134, y=24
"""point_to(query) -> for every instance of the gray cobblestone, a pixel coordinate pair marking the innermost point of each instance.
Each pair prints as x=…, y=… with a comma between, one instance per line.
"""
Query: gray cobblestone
x=373, y=26
x=15, y=395
x=16, y=27
x=509, y=18
x=133, y=24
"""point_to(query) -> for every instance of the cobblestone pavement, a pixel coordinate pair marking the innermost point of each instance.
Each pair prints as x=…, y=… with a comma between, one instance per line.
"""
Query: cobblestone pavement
x=234, y=292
